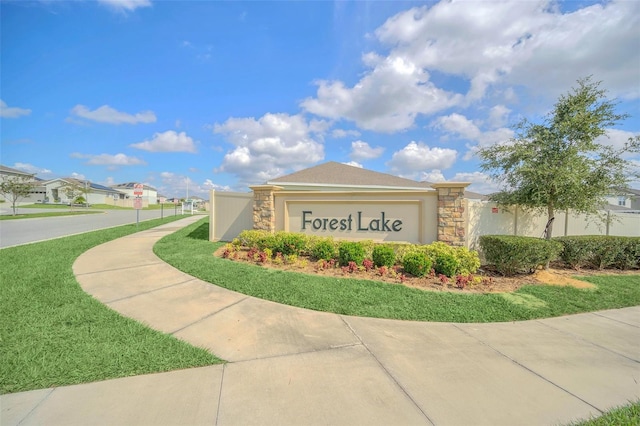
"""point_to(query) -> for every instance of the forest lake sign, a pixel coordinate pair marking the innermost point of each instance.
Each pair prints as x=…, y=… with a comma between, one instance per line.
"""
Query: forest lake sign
x=350, y=223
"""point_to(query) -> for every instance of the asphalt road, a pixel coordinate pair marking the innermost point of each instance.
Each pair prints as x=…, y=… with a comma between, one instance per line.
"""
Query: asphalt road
x=24, y=231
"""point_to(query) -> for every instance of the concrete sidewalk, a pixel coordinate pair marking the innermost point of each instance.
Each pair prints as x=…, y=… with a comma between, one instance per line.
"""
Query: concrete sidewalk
x=291, y=366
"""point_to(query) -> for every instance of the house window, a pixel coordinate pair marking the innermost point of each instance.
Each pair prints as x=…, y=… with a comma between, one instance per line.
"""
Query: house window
x=622, y=201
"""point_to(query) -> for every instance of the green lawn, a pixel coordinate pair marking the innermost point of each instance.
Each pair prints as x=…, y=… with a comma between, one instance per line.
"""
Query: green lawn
x=190, y=251
x=52, y=333
x=48, y=214
x=628, y=415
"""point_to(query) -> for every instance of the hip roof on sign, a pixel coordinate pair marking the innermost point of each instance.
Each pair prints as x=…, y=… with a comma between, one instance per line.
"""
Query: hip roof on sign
x=334, y=174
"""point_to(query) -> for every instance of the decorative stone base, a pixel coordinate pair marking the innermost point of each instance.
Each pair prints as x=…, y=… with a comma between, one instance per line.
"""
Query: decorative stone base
x=452, y=219
x=264, y=213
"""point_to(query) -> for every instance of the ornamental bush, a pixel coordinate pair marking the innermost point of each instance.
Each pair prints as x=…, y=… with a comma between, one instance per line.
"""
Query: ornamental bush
x=466, y=261
x=323, y=249
x=511, y=254
x=383, y=255
x=350, y=251
x=599, y=251
x=289, y=243
x=416, y=263
x=447, y=264
x=255, y=238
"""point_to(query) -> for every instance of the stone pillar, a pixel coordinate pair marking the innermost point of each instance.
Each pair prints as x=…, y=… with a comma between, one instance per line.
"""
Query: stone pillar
x=452, y=217
x=264, y=209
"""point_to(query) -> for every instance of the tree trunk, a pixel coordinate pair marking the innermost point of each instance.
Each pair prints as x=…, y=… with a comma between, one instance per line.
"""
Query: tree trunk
x=550, y=215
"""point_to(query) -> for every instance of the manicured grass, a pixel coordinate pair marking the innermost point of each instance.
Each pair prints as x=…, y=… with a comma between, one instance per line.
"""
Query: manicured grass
x=49, y=214
x=627, y=415
x=52, y=333
x=190, y=251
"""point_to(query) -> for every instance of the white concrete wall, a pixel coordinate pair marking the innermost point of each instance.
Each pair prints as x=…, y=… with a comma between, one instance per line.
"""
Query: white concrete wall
x=490, y=219
x=230, y=213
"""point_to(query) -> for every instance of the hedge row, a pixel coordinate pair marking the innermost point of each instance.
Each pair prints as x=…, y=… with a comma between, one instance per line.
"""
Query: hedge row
x=417, y=260
x=514, y=254
x=600, y=252
x=511, y=255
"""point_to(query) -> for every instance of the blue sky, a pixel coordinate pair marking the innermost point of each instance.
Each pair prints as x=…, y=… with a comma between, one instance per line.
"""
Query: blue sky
x=221, y=95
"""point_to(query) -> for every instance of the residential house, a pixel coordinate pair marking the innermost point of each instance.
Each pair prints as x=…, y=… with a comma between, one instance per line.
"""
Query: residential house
x=149, y=194
x=58, y=191
x=626, y=198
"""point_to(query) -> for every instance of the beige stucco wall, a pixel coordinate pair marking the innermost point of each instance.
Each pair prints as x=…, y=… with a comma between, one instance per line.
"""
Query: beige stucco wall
x=230, y=213
x=409, y=216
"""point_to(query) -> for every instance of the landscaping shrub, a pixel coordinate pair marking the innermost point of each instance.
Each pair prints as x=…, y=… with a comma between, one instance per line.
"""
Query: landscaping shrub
x=350, y=251
x=513, y=254
x=289, y=243
x=599, y=251
x=383, y=255
x=446, y=264
x=255, y=238
x=466, y=261
x=323, y=249
x=416, y=263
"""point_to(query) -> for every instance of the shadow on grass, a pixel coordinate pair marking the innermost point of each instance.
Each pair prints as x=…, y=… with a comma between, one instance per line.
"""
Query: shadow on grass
x=200, y=233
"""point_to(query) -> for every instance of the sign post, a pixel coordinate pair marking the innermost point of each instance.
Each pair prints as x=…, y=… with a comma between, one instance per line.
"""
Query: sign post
x=137, y=201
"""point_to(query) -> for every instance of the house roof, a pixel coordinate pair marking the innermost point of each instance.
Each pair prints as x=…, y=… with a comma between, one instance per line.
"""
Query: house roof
x=338, y=174
x=333, y=173
x=9, y=170
x=80, y=182
x=629, y=191
x=130, y=185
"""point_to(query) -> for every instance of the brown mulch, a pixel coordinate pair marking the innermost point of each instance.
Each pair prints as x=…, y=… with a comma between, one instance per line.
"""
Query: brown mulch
x=484, y=281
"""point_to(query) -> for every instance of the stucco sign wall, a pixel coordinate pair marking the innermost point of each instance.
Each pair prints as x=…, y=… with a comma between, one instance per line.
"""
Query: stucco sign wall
x=383, y=220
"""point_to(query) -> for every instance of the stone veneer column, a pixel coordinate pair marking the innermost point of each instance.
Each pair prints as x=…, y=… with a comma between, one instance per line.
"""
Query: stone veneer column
x=452, y=220
x=264, y=209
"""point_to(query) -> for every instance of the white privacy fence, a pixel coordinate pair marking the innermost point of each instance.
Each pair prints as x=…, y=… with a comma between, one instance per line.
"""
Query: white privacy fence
x=230, y=214
x=490, y=219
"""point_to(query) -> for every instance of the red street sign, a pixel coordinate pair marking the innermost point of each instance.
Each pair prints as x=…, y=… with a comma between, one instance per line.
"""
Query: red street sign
x=137, y=189
x=137, y=203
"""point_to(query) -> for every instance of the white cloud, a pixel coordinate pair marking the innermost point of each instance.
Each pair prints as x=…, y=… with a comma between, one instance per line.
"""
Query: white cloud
x=433, y=176
x=169, y=141
x=498, y=116
x=78, y=176
x=387, y=99
x=106, y=114
x=520, y=42
x=494, y=47
x=616, y=138
x=177, y=185
x=362, y=151
x=341, y=133
x=461, y=127
x=209, y=184
x=354, y=164
x=109, y=159
x=12, y=112
x=417, y=157
x=124, y=6
x=480, y=182
x=30, y=168
x=270, y=146
x=109, y=181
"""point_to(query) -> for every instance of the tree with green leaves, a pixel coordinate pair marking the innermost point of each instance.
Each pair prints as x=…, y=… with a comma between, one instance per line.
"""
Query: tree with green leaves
x=76, y=191
x=560, y=163
x=14, y=188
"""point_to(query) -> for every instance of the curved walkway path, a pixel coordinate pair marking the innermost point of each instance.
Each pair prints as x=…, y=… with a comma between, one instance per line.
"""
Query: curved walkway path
x=291, y=366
